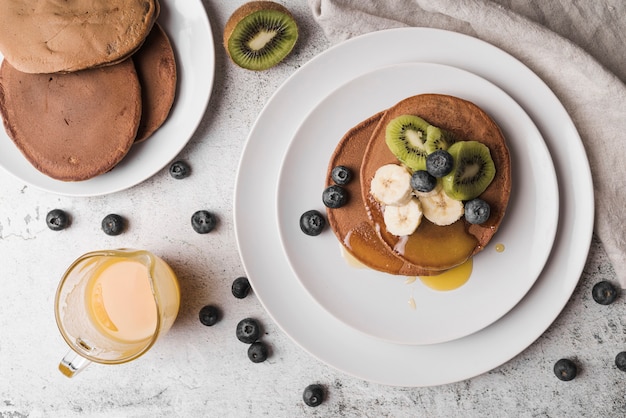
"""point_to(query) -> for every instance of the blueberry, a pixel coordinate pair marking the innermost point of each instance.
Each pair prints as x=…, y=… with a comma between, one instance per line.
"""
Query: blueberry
x=179, y=170
x=439, y=163
x=477, y=211
x=57, y=220
x=240, y=287
x=113, y=224
x=257, y=352
x=313, y=395
x=423, y=181
x=335, y=196
x=620, y=361
x=604, y=292
x=312, y=222
x=341, y=174
x=209, y=315
x=203, y=221
x=565, y=369
x=248, y=330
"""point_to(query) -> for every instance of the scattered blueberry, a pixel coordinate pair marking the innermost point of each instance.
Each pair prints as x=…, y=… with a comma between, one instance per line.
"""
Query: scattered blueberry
x=565, y=369
x=335, y=196
x=248, y=330
x=312, y=222
x=240, y=287
x=203, y=221
x=209, y=315
x=313, y=395
x=423, y=181
x=604, y=292
x=257, y=352
x=57, y=219
x=620, y=361
x=341, y=174
x=113, y=224
x=439, y=163
x=179, y=170
x=477, y=211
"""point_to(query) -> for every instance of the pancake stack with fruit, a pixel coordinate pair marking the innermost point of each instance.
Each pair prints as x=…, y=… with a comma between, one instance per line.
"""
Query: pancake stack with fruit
x=81, y=81
x=429, y=183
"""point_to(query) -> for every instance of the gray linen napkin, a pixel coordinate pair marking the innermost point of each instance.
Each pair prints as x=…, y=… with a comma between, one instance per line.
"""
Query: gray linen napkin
x=578, y=47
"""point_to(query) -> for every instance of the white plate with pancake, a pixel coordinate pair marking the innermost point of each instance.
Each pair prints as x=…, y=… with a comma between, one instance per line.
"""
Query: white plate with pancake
x=387, y=306
x=313, y=327
x=187, y=25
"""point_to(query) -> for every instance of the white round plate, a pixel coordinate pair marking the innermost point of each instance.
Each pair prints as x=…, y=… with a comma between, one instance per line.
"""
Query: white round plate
x=187, y=25
x=320, y=333
x=378, y=303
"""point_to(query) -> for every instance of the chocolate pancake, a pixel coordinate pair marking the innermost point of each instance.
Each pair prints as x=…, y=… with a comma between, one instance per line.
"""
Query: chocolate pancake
x=72, y=126
x=435, y=248
x=52, y=36
x=350, y=223
x=156, y=69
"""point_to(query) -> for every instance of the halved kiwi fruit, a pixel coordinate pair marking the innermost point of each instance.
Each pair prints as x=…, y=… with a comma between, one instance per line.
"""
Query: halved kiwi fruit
x=406, y=138
x=259, y=35
x=437, y=139
x=473, y=170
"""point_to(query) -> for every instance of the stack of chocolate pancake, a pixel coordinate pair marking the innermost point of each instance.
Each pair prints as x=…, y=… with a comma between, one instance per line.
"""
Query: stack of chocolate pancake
x=81, y=81
x=431, y=249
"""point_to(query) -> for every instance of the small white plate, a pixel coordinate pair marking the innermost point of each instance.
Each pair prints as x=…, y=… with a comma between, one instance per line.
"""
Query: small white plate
x=187, y=25
x=378, y=303
x=331, y=340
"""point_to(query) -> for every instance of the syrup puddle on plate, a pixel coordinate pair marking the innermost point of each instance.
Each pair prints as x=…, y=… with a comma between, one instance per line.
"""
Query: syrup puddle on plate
x=451, y=279
x=444, y=282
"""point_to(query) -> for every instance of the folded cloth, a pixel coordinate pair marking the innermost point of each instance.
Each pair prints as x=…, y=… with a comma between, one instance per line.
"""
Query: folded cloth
x=576, y=47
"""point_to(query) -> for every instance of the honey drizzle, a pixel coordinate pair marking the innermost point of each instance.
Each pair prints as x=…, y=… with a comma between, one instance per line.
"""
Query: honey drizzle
x=451, y=279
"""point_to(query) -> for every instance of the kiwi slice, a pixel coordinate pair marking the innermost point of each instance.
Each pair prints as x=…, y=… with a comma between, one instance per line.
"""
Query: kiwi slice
x=437, y=139
x=406, y=138
x=259, y=35
x=472, y=172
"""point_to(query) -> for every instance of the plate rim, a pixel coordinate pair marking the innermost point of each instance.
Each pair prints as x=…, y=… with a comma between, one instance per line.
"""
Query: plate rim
x=550, y=232
x=516, y=343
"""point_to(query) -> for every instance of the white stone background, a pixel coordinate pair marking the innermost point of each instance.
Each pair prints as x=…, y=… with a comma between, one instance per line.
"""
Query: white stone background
x=199, y=371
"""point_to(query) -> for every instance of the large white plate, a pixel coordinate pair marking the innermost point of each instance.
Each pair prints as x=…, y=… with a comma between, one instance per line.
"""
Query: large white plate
x=188, y=28
x=340, y=345
x=377, y=303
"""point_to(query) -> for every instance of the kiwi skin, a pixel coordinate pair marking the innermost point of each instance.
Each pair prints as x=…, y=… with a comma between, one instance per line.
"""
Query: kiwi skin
x=245, y=10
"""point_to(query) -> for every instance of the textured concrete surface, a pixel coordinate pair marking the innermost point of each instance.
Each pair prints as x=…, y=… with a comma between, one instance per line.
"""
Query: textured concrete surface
x=200, y=371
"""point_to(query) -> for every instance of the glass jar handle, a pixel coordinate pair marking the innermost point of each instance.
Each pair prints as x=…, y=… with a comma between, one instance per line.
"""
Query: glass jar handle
x=72, y=363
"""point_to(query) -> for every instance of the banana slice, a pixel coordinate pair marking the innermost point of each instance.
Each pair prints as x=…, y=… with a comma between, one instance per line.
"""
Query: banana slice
x=391, y=185
x=441, y=209
x=403, y=220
